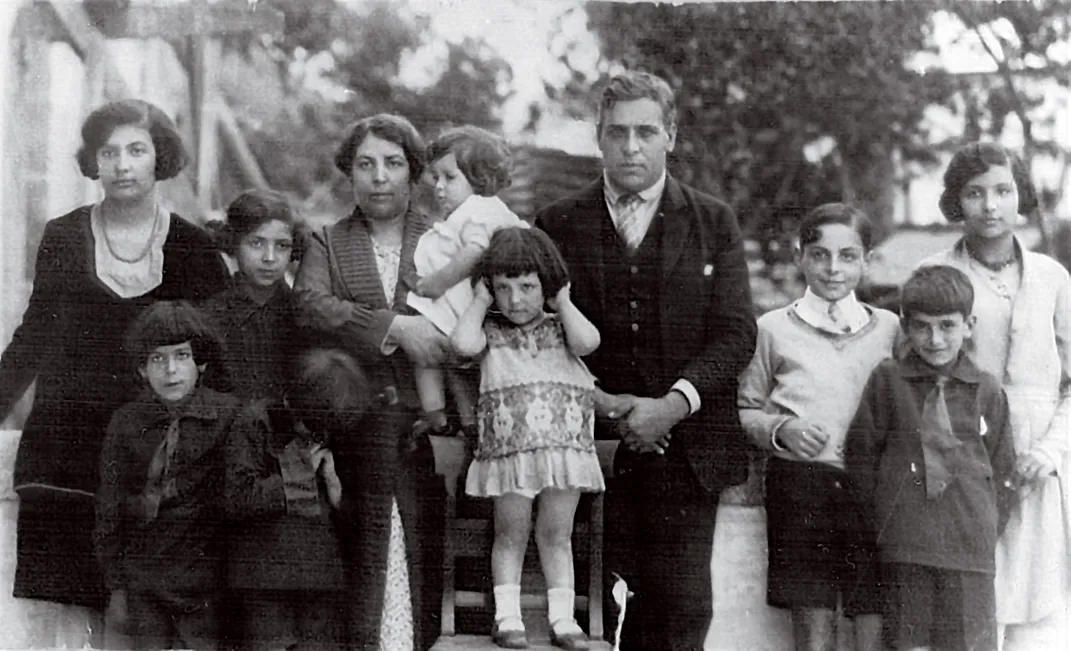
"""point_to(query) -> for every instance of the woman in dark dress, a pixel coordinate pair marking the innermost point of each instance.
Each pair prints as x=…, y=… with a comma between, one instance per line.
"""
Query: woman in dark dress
x=350, y=288
x=96, y=268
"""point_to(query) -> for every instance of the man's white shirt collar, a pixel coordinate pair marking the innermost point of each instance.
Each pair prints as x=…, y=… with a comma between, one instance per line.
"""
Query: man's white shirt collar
x=653, y=193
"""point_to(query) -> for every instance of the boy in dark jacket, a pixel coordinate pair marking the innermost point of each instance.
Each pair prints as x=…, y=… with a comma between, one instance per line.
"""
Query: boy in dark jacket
x=157, y=533
x=931, y=450
x=285, y=562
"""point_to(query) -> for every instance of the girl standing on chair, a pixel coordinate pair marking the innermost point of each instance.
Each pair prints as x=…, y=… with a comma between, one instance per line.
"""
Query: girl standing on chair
x=535, y=421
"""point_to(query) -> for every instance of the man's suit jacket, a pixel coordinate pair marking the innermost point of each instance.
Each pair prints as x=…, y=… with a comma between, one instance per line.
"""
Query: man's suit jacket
x=706, y=318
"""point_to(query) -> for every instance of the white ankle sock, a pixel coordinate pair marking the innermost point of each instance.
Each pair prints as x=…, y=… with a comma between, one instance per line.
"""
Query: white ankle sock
x=560, y=605
x=507, y=602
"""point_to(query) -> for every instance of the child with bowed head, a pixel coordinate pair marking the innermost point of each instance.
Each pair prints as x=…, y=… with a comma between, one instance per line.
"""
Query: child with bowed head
x=468, y=166
x=285, y=562
x=796, y=399
x=158, y=530
x=536, y=420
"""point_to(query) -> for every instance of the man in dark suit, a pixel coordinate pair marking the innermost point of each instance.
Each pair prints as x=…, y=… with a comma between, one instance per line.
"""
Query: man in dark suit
x=659, y=268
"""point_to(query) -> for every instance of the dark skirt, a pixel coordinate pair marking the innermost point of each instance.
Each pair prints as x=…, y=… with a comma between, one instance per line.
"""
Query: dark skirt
x=55, y=550
x=377, y=466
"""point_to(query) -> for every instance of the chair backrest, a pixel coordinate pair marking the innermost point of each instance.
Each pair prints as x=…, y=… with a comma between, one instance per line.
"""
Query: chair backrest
x=472, y=537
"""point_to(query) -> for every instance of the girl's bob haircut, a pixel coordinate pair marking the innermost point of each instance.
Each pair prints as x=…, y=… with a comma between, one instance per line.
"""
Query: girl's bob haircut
x=171, y=156
x=975, y=159
x=249, y=211
x=517, y=251
x=167, y=323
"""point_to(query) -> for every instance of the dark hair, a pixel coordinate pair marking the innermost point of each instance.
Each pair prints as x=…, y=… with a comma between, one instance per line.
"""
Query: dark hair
x=329, y=392
x=483, y=157
x=389, y=127
x=974, y=159
x=248, y=211
x=516, y=251
x=167, y=323
x=835, y=213
x=632, y=85
x=937, y=289
x=171, y=155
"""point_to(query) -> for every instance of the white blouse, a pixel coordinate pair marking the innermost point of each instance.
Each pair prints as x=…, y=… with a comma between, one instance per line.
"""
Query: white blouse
x=130, y=278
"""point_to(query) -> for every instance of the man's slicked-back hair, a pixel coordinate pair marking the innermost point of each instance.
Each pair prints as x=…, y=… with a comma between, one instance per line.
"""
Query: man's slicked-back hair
x=633, y=85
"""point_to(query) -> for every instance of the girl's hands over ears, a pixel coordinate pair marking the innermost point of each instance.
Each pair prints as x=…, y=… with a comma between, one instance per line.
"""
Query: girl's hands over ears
x=481, y=292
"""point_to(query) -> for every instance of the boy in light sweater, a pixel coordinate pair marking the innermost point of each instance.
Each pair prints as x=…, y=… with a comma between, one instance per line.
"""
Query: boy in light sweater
x=797, y=398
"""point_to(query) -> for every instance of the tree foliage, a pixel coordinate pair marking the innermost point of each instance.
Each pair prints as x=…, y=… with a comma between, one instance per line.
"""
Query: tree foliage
x=761, y=84
x=1027, y=42
x=295, y=94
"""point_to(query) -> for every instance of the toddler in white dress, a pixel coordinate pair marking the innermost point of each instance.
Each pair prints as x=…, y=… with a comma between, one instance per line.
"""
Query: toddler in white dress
x=469, y=166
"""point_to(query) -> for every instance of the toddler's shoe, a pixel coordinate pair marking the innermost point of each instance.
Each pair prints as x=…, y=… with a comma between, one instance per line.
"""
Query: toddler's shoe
x=511, y=636
x=568, y=635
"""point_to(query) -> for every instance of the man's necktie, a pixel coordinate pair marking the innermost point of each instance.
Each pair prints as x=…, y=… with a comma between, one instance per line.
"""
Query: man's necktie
x=159, y=485
x=937, y=439
x=629, y=227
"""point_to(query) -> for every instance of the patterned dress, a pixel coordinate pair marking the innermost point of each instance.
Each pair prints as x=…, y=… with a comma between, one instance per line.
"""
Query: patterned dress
x=536, y=414
x=396, y=625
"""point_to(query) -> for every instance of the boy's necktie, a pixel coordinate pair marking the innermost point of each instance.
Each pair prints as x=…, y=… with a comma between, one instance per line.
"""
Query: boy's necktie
x=937, y=439
x=628, y=220
x=159, y=484
x=836, y=317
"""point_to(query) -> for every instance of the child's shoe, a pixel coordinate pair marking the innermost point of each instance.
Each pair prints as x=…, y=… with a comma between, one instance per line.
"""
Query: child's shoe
x=567, y=634
x=509, y=633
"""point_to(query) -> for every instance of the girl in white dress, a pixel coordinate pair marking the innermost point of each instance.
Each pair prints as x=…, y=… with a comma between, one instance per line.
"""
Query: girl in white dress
x=468, y=166
x=536, y=421
x=1022, y=336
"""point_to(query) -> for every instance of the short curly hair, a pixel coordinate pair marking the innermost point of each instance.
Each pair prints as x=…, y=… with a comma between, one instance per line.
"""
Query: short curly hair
x=975, y=159
x=517, y=251
x=389, y=127
x=171, y=155
x=483, y=157
x=248, y=211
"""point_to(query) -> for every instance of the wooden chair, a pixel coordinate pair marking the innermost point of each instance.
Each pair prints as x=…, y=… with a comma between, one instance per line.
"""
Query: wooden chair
x=469, y=536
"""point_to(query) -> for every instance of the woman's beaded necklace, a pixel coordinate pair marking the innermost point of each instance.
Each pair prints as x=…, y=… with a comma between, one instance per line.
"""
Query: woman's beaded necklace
x=144, y=251
x=995, y=267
